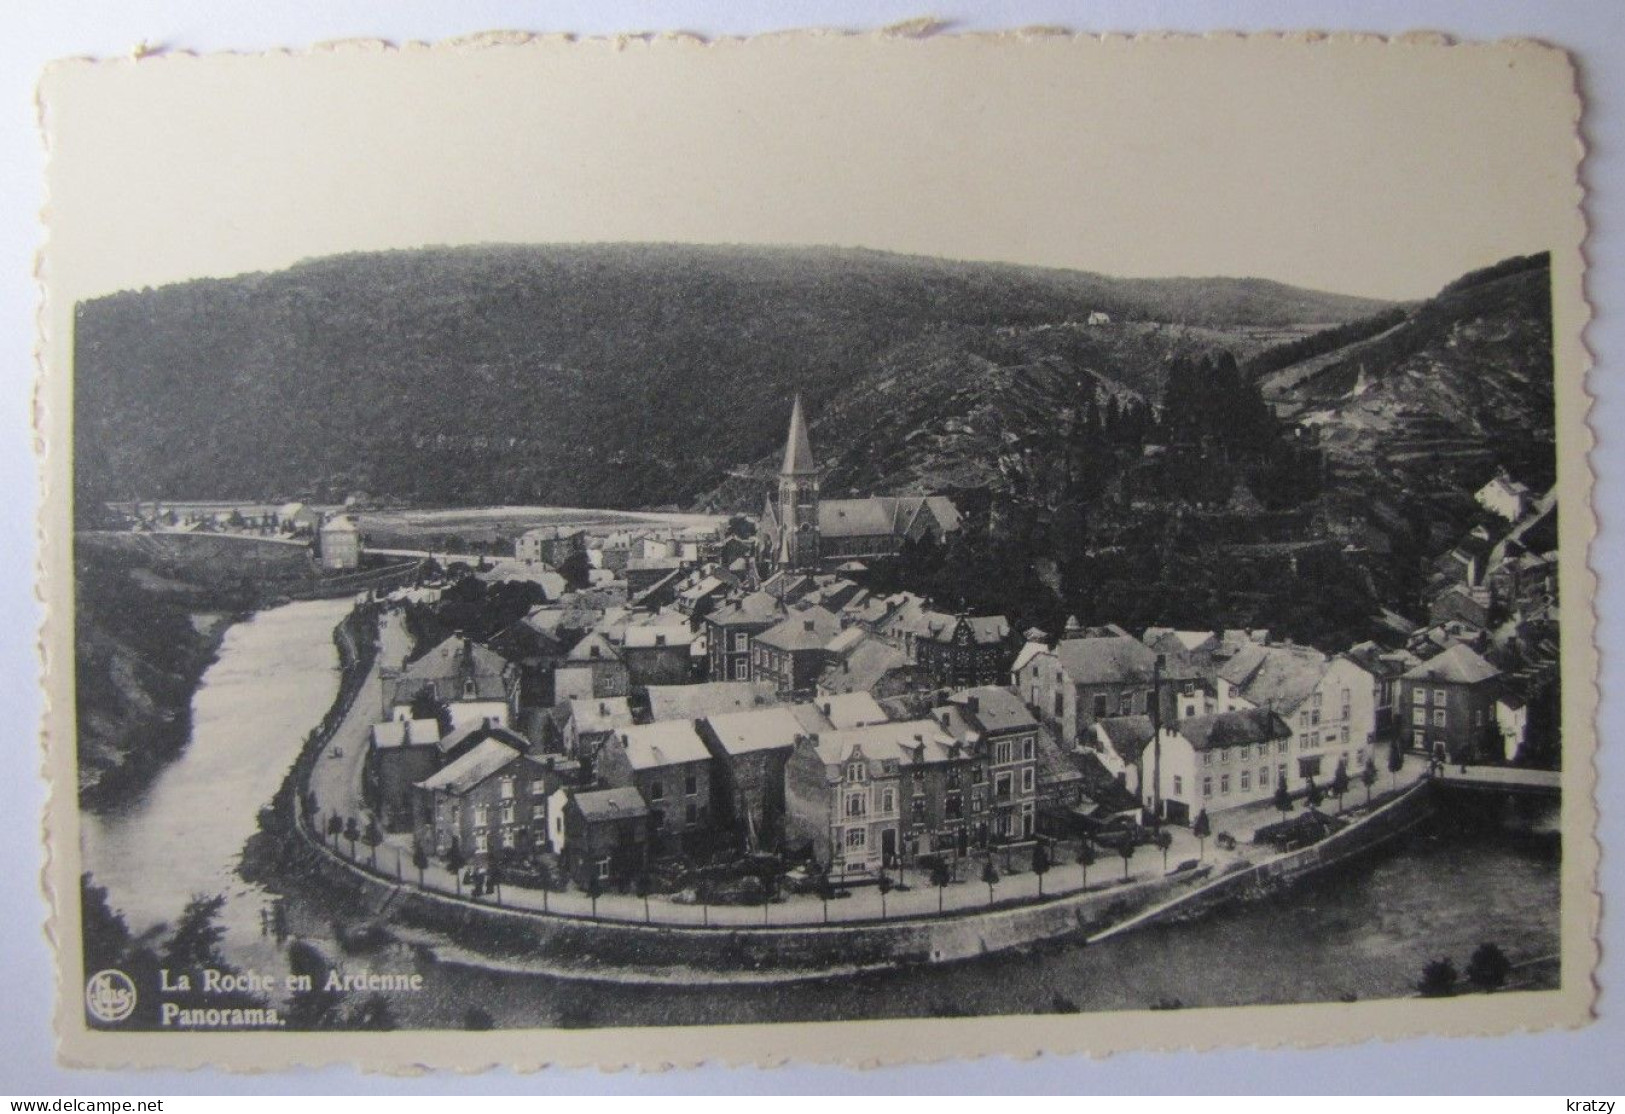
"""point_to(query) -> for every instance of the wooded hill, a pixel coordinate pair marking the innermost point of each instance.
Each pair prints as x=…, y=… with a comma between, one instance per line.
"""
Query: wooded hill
x=618, y=376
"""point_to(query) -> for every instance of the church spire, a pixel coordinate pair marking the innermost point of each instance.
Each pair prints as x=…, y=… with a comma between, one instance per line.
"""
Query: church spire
x=798, y=457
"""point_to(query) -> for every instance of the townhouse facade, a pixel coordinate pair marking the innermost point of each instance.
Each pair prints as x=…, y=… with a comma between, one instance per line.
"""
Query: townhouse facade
x=1449, y=706
x=670, y=767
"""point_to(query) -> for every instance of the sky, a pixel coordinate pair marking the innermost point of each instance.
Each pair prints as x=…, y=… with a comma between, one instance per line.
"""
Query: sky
x=1384, y=171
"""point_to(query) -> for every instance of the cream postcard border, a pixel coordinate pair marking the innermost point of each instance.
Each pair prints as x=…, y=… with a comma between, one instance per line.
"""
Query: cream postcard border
x=94, y=238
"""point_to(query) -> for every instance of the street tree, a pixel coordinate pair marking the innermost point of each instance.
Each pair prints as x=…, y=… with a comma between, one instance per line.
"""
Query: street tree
x=420, y=860
x=1312, y=795
x=1283, y=799
x=1396, y=763
x=1164, y=840
x=1368, y=777
x=1201, y=829
x=641, y=886
x=455, y=862
x=595, y=890
x=1086, y=859
x=372, y=836
x=940, y=877
x=352, y=833
x=884, y=885
x=1340, y=784
x=493, y=876
x=1042, y=861
x=1125, y=848
x=990, y=878
x=335, y=828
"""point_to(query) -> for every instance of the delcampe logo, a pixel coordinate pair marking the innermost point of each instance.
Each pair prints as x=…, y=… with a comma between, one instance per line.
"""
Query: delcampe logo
x=110, y=996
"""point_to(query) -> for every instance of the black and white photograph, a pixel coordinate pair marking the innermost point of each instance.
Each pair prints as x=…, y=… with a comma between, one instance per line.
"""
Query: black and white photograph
x=1097, y=563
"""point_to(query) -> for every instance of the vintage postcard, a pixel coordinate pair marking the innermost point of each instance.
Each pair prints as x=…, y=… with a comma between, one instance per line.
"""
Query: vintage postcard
x=826, y=547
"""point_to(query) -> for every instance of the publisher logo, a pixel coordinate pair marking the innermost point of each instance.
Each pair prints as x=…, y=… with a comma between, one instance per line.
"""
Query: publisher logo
x=110, y=996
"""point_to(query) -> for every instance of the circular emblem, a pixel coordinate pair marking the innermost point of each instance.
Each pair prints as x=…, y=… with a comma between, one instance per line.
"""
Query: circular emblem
x=110, y=996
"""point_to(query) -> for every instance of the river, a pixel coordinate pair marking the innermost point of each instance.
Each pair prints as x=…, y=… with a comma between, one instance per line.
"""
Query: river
x=1362, y=931
x=274, y=678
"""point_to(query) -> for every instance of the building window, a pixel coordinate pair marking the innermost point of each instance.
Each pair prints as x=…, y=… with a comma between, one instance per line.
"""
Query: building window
x=1343, y=735
x=1263, y=776
x=603, y=868
x=507, y=812
x=1207, y=758
x=1224, y=784
x=481, y=842
x=691, y=784
x=1224, y=756
x=1060, y=705
x=1419, y=716
x=657, y=791
x=856, y=772
x=919, y=781
x=1179, y=786
x=1027, y=750
x=856, y=838
x=855, y=804
x=976, y=804
x=1100, y=705
x=1207, y=787
x=977, y=774
x=1125, y=703
x=1438, y=717
x=1027, y=780
x=1438, y=696
x=741, y=642
x=741, y=671
x=888, y=802
x=1280, y=771
x=953, y=780
x=1419, y=696
x=1246, y=780
x=1001, y=787
x=693, y=814
x=482, y=815
x=916, y=810
x=1281, y=747
x=505, y=789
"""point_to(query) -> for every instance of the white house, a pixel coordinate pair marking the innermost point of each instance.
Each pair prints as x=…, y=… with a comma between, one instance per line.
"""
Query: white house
x=1218, y=762
x=1505, y=497
x=1330, y=703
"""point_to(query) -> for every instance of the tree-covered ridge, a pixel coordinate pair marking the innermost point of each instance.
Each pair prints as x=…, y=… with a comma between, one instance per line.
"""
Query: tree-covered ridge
x=617, y=376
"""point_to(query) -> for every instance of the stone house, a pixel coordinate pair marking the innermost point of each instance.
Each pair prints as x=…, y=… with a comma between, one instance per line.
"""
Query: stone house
x=791, y=655
x=492, y=798
x=1448, y=702
x=996, y=722
x=670, y=767
x=751, y=749
x=732, y=627
x=591, y=671
x=401, y=753
x=600, y=835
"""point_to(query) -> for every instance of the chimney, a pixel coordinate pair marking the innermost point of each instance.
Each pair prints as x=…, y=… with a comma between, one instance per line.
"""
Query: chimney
x=973, y=704
x=808, y=623
x=945, y=721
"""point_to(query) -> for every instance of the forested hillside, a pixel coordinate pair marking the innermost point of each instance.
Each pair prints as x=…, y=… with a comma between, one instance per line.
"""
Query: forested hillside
x=617, y=376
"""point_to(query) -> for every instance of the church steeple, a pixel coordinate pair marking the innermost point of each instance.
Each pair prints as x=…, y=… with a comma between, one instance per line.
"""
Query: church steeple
x=798, y=497
x=798, y=457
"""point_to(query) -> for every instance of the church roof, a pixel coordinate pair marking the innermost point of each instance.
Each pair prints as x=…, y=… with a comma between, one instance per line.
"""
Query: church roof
x=798, y=457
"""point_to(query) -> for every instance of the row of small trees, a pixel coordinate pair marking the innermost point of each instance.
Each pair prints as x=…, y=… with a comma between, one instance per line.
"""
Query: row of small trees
x=1341, y=783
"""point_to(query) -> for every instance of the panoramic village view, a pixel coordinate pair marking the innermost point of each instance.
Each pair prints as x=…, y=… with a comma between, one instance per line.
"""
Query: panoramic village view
x=944, y=639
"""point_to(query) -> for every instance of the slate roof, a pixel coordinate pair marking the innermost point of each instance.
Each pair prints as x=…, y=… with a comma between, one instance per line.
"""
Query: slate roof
x=713, y=698
x=594, y=647
x=1277, y=676
x=1234, y=729
x=879, y=742
x=798, y=456
x=997, y=709
x=938, y=626
x=405, y=732
x=606, y=713
x=758, y=607
x=611, y=804
x=760, y=729
x=856, y=518
x=863, y=667
x=851, y=709
x=1126, y=735
x=811, y=629
x=1106, y=661
x=670, y=743
x=1457, y=665
x=474, y=733
x=488, y=757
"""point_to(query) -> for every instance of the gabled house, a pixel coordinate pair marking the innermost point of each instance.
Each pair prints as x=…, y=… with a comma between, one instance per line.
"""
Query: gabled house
x=994, y=721
x=732, y=627
x=670, y=766
x=1449, y=706
x=579, y=728
x=601, y=835
x=1092, y=676
x=857, y=661
x=751, y=749
x=841, y=797
x=1330, y=704
x=957, y=651
x=491, y=798
x=592, y=670
x=401, y=753
x=1218, y=762
x=473, y=683
x=791, y=655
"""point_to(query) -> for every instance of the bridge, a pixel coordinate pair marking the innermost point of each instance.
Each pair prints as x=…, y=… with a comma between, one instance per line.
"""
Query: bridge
x=1501, y=779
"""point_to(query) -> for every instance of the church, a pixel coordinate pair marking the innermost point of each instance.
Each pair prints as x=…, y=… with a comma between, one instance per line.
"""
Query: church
x=801, y=530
